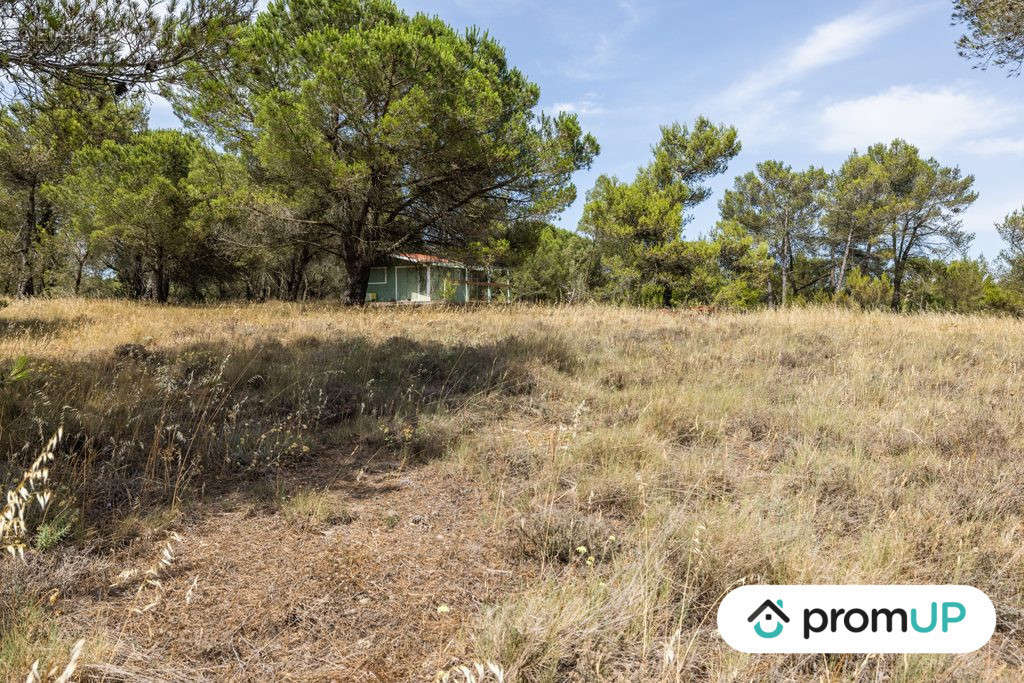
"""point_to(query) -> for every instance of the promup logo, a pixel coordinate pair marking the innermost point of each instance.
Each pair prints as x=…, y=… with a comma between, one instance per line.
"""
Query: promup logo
x=857, y=619
x=765, y=614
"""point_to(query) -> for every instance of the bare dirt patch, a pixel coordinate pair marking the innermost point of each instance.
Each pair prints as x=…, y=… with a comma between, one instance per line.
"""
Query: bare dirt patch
x=376, y=593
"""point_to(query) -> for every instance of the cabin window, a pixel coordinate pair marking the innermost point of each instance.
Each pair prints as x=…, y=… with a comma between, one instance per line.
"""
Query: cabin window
x=378, y=276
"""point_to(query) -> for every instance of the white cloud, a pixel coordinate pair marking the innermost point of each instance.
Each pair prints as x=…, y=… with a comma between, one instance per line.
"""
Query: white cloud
x=828, y=43
x=995, y=146
x=934, y=120
x=771, y=121
x=585, y=106
x=763, y=104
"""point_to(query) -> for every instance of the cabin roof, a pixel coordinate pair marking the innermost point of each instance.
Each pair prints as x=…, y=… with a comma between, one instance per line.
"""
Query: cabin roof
x=430, y=260
x=424, y=259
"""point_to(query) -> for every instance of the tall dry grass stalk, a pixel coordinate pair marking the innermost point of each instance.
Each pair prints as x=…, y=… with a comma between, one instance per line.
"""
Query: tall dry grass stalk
x=150, y=589
x=34, y=487
x=57, y=674
x=477, y=672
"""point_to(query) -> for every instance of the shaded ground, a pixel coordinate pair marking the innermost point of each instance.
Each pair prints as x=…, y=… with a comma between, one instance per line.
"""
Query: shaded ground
x=383, y=583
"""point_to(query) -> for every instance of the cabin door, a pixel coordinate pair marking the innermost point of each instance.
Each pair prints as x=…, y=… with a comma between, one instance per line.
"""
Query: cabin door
x=412, y=283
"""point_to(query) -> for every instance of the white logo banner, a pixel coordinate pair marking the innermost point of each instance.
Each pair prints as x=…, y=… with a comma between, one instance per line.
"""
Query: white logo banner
x=856, y=619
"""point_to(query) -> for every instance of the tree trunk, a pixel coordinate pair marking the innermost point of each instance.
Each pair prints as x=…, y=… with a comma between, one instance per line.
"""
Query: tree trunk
x=357, y=267
x=80, y=260
x=841, y=282
x=666, y=296
x=785, y=259
x=790, y=263
x=26, y=279
x=297, y=273
x=897, y=285
x=138, y=277
x=784, y=287
x=785, y=269
x=161, y=284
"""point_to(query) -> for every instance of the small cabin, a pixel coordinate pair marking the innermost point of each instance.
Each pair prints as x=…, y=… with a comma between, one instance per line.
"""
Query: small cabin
x=422, y=278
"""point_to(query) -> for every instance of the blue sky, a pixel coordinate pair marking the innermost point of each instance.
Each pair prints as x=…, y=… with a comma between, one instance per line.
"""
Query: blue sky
x=805, y=83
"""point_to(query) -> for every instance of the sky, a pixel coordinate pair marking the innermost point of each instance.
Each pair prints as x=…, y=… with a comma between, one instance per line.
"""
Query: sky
x=805, y=82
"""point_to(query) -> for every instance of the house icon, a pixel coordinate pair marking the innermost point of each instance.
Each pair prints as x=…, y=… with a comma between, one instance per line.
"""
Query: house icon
x=765, y=615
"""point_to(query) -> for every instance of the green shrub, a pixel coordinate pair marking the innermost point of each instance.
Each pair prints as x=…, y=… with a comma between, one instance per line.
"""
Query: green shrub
x=865, y=291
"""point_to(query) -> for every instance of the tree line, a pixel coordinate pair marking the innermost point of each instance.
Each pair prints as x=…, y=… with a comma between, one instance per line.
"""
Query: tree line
x=884, y=230
x=322, y=135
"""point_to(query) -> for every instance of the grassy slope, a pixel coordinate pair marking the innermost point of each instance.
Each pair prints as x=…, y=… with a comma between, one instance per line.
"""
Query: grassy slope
x=579, y=487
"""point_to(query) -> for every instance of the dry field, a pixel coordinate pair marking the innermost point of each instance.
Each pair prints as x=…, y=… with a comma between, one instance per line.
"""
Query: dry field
x=272, y=491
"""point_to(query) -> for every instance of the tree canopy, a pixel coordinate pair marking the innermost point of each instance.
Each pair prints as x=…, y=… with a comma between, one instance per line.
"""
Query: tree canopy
x=637, y=227
x=781, y=207
x=38, y=140
x=379, y=132
x=922, y=206
x=135, y=199
x=994, y=32
x=112, y=45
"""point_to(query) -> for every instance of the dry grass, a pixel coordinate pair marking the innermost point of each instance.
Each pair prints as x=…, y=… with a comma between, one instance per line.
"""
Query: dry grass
x=618, y=470
x=316, y=509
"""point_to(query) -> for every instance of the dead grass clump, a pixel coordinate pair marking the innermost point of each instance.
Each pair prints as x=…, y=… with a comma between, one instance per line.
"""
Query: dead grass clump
x=566, y=536
x=972, y=435
x=603, y=622
x=143, y=526
x=316, y=509
x=631, y=378
x=618, y=496
x=56, y=673
x=30, y=595
x=406, y=440
x=608, y=448
x=132, y=352
x=478, y=672
x=150, y=588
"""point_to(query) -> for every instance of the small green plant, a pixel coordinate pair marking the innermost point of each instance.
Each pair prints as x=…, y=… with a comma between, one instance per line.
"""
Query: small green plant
x=53, y=532
x=449, y=290
x=18, y=372
x=867, y=292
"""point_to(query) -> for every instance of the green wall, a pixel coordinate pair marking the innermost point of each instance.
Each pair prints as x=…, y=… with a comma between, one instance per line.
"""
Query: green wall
x=413, y=279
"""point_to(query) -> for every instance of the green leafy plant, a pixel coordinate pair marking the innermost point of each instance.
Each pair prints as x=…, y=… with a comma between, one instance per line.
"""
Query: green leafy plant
x=54, y=531
x=449, y=290
x=19, y=371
